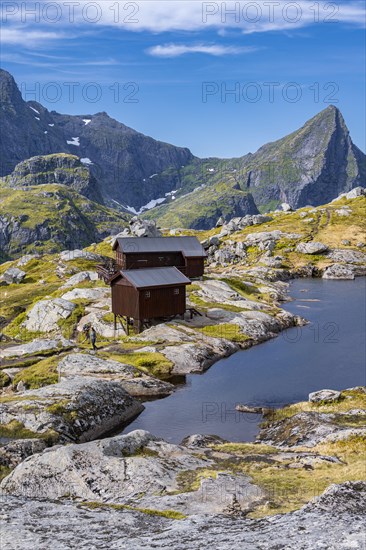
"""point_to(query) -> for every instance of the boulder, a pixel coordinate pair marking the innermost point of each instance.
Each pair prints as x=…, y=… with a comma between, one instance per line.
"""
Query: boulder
x=69, y=255
x=327, y=396
x=343, y=212
x=347, y=256
x=339, y=271
x=135, y=469
x=353, y=194
x=220, y=222
x=312, y=248
x=125, y=233
x=214, y=241
x=46, y=314
x=202, y=441
x=356, y=192
x=268, y=246
x=257, y=219
x=15, y=452
x=233, y=225
x=89, y=294
x=135, y=382
x=103, y=328
x=35, y=347
x=80, y=278
x=164, y=334
x=286, y=207
x=214, y=290
x=77, y=409
x=254, y=239
x=24, y=260
x=144, y=228
x=21, y=386
x=275, y=262
x=198, y=357
x=113, y=469
x=13, y=275
x=240, y=250
x=249, y=409
x=224, y=256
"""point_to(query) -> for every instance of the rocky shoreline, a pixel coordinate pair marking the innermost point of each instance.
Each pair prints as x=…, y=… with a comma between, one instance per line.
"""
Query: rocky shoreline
x=185, y=496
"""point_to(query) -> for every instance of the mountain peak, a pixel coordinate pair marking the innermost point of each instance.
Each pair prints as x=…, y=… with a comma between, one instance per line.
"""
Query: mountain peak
x=10, y=96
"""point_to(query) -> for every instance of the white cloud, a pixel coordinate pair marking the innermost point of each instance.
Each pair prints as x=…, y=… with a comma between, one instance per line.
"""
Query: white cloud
x=176, y=50
x=194, y=15
x=26, y=37
x=158, y=16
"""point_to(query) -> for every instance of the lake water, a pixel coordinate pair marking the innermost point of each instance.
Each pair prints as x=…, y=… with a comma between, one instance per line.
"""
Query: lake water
x=327, y=353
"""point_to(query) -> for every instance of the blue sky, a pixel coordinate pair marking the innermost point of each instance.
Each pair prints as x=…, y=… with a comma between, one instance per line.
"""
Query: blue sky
x=166, y=68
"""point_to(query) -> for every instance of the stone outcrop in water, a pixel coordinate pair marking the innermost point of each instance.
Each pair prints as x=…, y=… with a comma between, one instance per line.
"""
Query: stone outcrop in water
x=322, y=421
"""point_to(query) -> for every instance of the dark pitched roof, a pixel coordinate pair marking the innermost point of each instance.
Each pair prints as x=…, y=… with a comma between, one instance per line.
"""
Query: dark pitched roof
x=189, y=246
x=155, y=276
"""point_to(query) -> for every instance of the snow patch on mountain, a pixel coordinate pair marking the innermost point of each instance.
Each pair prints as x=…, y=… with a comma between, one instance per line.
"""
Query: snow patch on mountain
x=74, y=141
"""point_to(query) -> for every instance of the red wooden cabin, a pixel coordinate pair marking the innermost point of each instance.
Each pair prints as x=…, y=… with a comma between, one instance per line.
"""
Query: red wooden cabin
x=184, y=253
x=145, y=294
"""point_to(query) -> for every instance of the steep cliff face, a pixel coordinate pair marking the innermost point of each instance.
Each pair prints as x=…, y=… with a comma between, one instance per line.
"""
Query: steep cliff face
x=23, y=134
x=122, y=160
x=311, y=166
x=60, y=169
x=125, y=162
x=51, y=218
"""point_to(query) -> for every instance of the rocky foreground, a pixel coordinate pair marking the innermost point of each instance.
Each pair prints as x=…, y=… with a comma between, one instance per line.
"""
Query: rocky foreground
x=143, y=492
x=332, y=521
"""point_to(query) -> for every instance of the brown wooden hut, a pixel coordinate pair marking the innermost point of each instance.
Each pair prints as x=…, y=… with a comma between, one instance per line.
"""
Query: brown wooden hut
x=145, y=294
x=184, y=253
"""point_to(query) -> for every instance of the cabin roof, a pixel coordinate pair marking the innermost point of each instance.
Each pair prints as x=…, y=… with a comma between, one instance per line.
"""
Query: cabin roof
x=154, y=277
x=189, y=246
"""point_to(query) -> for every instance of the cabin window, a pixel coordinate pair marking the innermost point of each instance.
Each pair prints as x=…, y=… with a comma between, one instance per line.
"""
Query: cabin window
x=176, y=291
x=147, y=294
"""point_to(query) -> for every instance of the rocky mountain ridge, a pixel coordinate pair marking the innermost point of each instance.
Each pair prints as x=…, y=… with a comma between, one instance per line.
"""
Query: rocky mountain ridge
x=311, y=166
x=122, y=160
x=136, y=173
